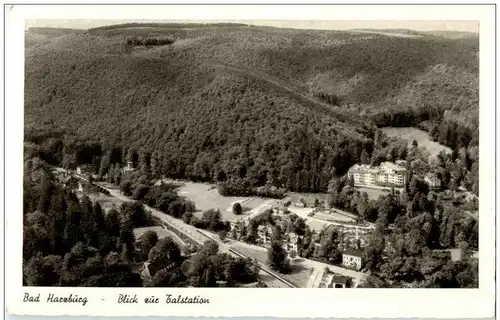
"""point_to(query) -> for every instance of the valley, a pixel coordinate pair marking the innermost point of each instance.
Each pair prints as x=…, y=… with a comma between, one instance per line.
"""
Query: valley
x=232, y=155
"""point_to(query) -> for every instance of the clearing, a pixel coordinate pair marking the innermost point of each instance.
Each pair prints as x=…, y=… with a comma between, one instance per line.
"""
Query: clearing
x=335, y=215
x=373, y=194
x=409, y=134
x=206, y=197
x=107, y=202
x=301, y=272
x=161, y=232
x=322, y=219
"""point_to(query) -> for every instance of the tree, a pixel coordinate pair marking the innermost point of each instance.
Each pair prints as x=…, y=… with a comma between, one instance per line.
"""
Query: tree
x=187, y=216
x=212, y=219
x=414, y=143
x=222, y=235
x=112, y=222
x=126, y=187
x=209, y=248
x=135, y=213
x=277, y=258
x=127, y=240
x=148, y=241
x=237, y=209
x=317, y=204
x=389, y=209
x=365, y=157
x=140, y=192
x=165, y=252
x=105, y=164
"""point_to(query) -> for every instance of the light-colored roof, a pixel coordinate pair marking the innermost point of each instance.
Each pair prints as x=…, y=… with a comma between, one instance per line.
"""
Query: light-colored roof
x=385, y=167
x=391, y=167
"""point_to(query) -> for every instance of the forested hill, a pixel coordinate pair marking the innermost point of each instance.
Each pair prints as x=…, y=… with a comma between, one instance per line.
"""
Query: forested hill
x=292, y=101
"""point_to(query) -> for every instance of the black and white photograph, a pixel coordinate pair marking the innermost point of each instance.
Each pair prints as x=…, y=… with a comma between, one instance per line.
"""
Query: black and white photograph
x=249, y=153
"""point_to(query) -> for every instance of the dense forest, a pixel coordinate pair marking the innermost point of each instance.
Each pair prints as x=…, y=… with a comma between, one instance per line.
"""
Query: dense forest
x=259, y=111
x=212, y=124
x=68, y=240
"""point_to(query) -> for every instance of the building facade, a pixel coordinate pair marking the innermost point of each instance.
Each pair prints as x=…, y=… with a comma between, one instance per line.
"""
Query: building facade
x=291, y=243
x=387, y=174
x=352, y=259
x=84, y=169
x=264, y=234
x=432, y=181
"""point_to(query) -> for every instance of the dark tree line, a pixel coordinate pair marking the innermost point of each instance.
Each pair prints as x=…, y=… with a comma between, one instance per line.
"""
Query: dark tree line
x=70, y=241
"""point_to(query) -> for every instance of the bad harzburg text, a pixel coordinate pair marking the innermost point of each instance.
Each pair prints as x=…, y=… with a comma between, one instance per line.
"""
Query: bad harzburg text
x=52, y=298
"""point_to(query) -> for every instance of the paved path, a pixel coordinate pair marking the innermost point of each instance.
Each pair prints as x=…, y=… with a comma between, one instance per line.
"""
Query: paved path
x=315, y=278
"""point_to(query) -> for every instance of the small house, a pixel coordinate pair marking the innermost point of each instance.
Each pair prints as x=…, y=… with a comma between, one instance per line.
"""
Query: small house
x=338, y=281
x=291, y=242
x=264, y=234
x=129, y=167
x=85, y=169
x=432, y=181
x=150, y=269
x=352, y=259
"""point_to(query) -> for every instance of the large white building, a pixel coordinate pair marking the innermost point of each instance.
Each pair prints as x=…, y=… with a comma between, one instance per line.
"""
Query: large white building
x=387, y=174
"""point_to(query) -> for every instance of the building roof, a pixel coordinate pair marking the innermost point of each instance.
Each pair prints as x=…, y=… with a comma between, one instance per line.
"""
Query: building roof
x=339, y=279
x=389, y=166
x=356, y=253
x=385, y=167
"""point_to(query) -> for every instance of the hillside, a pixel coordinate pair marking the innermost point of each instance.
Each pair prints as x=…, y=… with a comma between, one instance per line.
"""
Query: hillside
x=266, y=104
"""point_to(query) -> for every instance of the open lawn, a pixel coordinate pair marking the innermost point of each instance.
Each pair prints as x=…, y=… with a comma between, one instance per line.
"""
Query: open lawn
x=332, y=215
x=373, y=194
x=299, y=275
x=309, y=198
x=250, y=251
x=160, y=231
x=316, y=225
x=424, y=141
x=106, y=202
x=206, y=197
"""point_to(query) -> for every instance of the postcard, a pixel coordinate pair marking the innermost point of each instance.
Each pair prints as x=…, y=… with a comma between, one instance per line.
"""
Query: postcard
x=227, y=160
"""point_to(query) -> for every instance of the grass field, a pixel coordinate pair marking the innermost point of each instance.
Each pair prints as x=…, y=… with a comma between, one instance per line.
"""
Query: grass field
x=106, y=202
x=424, y=141
x=206, y=197
x=160, y=231
x=316, y=225
x=373, y=194
x=325, y=215
x=300, y=272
